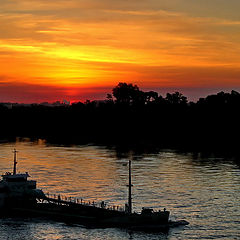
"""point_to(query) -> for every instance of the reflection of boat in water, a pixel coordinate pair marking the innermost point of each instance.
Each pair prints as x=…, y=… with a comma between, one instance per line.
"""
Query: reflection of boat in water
x=19, y=196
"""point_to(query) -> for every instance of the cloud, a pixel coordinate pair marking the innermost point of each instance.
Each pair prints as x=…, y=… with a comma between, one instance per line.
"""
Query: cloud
x=78, y=43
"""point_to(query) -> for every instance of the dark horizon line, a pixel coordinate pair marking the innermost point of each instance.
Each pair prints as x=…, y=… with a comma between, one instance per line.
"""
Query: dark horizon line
x=69, y=102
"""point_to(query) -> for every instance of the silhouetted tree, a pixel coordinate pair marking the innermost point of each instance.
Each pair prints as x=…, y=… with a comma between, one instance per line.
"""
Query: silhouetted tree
x=151, y=96
x=125, y=93
x=176, y=98
x=109, y=97
x=138, y=98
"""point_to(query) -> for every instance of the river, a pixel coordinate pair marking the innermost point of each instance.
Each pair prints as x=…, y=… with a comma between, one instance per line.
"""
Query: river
x=202, y=190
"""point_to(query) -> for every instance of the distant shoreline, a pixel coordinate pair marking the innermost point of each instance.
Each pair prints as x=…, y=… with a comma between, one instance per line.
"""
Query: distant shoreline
x=133, y=119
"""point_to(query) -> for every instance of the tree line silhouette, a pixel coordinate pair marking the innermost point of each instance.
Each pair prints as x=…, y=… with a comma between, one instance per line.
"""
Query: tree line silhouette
x=130, y=116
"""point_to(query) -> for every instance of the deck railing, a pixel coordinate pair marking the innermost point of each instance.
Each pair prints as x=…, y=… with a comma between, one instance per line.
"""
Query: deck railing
x=66, y=200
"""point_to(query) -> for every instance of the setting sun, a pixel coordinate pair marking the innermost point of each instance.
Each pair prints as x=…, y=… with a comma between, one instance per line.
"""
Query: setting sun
x=77, y=45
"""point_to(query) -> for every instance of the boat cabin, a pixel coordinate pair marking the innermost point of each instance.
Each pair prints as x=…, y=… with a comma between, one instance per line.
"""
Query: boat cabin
x=15, y=188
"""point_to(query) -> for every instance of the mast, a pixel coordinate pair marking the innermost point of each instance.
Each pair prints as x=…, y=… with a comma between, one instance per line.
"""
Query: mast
x=15, y=162
x=130, y=188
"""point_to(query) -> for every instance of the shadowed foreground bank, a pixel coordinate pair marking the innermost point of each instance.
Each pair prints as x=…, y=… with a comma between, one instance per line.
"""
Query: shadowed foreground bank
x=134, y=118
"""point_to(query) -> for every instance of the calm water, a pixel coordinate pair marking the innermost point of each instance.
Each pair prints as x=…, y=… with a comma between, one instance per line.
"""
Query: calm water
x=204, y=191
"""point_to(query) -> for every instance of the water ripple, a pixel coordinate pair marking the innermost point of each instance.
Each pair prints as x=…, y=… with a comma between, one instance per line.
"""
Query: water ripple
x=203, y=191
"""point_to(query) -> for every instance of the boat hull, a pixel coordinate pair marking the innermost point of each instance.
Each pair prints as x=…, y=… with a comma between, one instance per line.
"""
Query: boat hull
x=92, y=216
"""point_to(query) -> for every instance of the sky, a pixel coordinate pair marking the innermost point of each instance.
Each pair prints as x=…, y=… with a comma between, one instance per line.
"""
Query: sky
x=81, y=49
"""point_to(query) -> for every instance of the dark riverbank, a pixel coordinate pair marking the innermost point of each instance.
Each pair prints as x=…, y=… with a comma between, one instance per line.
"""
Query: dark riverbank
x=134, y=120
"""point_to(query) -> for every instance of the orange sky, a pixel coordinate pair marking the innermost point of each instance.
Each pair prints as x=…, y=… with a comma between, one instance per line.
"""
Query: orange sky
x=78, y=49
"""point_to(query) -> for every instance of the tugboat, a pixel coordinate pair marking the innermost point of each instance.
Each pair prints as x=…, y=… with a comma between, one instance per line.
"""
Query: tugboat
x=20, y=196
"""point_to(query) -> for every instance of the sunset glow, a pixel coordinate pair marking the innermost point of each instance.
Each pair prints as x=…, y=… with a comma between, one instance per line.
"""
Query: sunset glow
x=78, y=50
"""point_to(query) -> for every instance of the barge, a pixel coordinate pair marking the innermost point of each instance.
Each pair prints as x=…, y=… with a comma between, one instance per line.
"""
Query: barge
x=20, y=197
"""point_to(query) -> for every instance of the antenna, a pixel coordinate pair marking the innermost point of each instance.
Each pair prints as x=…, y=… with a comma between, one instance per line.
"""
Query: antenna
x=130, y=188
x=15, y=162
